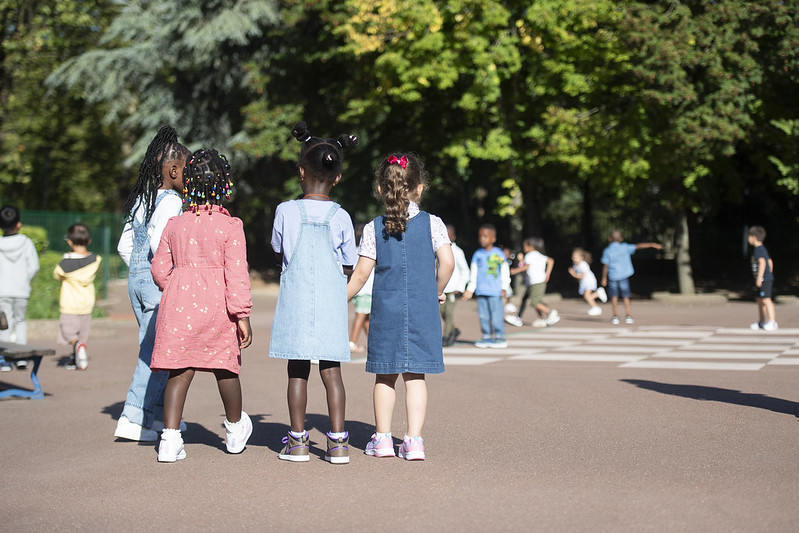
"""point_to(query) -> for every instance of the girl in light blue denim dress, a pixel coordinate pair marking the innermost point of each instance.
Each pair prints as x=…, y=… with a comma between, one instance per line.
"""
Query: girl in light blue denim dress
x=403, y=247
x=315, y=240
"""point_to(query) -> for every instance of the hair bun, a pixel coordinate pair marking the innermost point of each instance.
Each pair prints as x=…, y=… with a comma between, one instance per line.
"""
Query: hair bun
x=347, y=141
x=301, y=131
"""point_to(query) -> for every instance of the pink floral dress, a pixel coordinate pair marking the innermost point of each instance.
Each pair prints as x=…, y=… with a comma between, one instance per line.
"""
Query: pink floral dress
x=201, y=267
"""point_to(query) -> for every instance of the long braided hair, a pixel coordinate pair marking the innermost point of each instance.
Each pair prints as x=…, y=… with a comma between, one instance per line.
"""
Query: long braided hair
x=322, y=158
x=162, y=149
x=206, y=180
x=398, y=175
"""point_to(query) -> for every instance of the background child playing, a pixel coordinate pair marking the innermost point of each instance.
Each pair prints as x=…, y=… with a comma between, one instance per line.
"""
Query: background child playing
x=405, y=336
x=763, y=271
x=454, y=290
x=489, y=281
x=19, y=262
x=581, y=270
x=363, y=306
x=617, y=269
x=537, y=268
x=152, y=202
x=314, y=238
x=201, y=267
x=77, y=271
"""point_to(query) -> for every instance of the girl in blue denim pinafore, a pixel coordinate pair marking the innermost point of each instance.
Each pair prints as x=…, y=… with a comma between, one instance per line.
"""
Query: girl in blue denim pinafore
x=405, y=328
x=153, y=200
x=311, y=315
x=314, y=239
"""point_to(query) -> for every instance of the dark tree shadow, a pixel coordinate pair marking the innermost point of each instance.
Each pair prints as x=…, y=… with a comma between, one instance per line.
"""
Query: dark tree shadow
x=715, y=394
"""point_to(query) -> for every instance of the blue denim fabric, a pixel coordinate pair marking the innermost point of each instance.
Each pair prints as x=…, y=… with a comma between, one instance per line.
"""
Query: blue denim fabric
x=145, y=399
x=489, y=309
x=311, y=314
x=405, y=326
x=619, y=287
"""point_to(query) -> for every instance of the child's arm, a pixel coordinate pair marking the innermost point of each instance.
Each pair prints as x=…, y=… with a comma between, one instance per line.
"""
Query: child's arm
x=359, y=276
x=655, y=245
x=761, y=271
x=550, y=266
x=472, y=282
x=446, y=265
x=604, y=275
x=518, y=270
x=161, y=265
x=504, y=276
x=573, y=273
x=238, y=299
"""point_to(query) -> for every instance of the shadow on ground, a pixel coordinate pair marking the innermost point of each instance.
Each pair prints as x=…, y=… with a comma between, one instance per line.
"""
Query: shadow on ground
x=714, y=394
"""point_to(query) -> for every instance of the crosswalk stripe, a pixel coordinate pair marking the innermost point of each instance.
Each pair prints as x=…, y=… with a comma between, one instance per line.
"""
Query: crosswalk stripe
x=713, y=355
x=603, y=358
x=469, y=361
x=691, y=365
x=784, y=361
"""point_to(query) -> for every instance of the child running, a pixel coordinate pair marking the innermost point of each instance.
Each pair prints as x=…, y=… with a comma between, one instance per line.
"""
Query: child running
x=152, y=202
x=314, y=240
x=405, y=335
x=201, y=267
x=581, y=270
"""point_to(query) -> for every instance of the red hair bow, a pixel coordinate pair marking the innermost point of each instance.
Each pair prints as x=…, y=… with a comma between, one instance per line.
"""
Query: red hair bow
x=402, y=161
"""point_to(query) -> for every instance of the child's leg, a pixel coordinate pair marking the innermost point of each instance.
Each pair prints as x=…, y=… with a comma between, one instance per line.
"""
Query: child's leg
x=590, y=297
x=177, y=387
x=357, y=323
x=627, y=306
x=385, y=395
x=614, y=302
x=330, y=371
x=230, y=392
x=769, y=311
x=543, y=310
x=415, y=402
x=298, y=393
x=484, y=314
x=526, y=297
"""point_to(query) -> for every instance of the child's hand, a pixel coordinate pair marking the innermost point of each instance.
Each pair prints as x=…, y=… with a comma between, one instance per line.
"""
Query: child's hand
x=467, y=295
x=245, y=332
x=441, y=298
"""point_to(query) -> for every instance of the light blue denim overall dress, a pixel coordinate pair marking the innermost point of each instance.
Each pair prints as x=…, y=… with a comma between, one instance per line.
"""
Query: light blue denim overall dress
x=311, y=314
x=145, y=400
x=405, y=325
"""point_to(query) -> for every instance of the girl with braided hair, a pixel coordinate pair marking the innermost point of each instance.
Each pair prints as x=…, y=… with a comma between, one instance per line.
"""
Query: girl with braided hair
x=201, y=267
x=402, y=247
x=315, y=241
x=152, y=202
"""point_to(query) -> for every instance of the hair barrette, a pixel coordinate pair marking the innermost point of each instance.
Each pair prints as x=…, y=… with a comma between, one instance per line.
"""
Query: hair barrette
x=402, y=161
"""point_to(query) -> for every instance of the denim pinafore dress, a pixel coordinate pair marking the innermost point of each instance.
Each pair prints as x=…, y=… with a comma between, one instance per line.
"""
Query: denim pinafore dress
x=311, y=314
x=405, y=325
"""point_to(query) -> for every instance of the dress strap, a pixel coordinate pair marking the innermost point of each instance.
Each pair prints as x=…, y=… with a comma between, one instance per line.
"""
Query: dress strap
x=303, y=213
x=333, y=209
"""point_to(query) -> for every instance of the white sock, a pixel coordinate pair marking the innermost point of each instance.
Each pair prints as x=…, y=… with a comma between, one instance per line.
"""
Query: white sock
x=170, y=434
x=339, y=435
x=297, y=435
x=384, y=435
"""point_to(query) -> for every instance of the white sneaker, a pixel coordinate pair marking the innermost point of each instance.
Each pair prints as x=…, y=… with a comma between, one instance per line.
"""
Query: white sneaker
x=131, y=431
x=484, y=343
x=499, y=343
x=628, y=319
x=595, y=311
x=770, y=326
x=170, y=449
x=158, y=425
x=540, y=323
x=553, y=317
x=614, y=320
x=510, y=307
x=236, y=435
x=81, y=356
x=514, y=320
x=602, y=294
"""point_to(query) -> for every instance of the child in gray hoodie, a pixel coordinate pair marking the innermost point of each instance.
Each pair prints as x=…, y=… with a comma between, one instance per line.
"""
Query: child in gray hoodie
x=18, y=264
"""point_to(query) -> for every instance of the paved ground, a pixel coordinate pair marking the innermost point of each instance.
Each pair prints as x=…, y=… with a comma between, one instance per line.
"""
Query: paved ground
x=684, y=421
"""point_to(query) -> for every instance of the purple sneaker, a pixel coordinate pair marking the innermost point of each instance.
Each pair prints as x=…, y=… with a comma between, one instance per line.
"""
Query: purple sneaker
x=412, y=449
x=296, y=450
x=380, y=446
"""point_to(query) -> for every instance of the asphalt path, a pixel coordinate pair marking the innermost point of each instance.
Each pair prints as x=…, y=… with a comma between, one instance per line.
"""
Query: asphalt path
x=683, y=421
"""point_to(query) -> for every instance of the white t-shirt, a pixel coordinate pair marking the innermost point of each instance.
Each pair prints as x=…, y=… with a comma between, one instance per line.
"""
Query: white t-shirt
x=438, y=234
x=286, y=230
x=536, y=267
x=588, y=281
x=170, y=206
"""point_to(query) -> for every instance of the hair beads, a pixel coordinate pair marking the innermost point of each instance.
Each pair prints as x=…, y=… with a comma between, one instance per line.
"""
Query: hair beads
x=206, y=178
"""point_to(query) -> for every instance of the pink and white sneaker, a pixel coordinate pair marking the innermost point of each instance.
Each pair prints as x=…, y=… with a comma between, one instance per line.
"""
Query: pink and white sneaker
x=412, y=449
x=380, y=446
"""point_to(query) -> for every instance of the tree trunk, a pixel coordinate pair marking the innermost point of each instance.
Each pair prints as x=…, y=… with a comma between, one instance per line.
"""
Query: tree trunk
x=685, y=276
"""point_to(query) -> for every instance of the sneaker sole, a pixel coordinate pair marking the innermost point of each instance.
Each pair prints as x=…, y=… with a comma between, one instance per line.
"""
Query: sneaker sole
x=136, y=438
x=374, y=453
x=337, y=460
x=180, y=456
x=412, y=456
x=295, y=458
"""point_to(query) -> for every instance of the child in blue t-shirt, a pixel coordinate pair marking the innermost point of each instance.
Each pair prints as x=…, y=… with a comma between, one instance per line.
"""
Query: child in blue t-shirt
x=617, y=268
x=489, y=282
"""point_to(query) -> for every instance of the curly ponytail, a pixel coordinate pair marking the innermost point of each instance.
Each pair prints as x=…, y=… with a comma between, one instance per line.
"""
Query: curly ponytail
x=397, y=176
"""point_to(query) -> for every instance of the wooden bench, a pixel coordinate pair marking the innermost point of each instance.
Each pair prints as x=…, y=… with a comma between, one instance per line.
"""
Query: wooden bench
x=13, y=352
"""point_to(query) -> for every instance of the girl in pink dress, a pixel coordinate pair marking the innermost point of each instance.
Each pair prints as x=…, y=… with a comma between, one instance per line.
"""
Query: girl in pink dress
x=203, y=323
